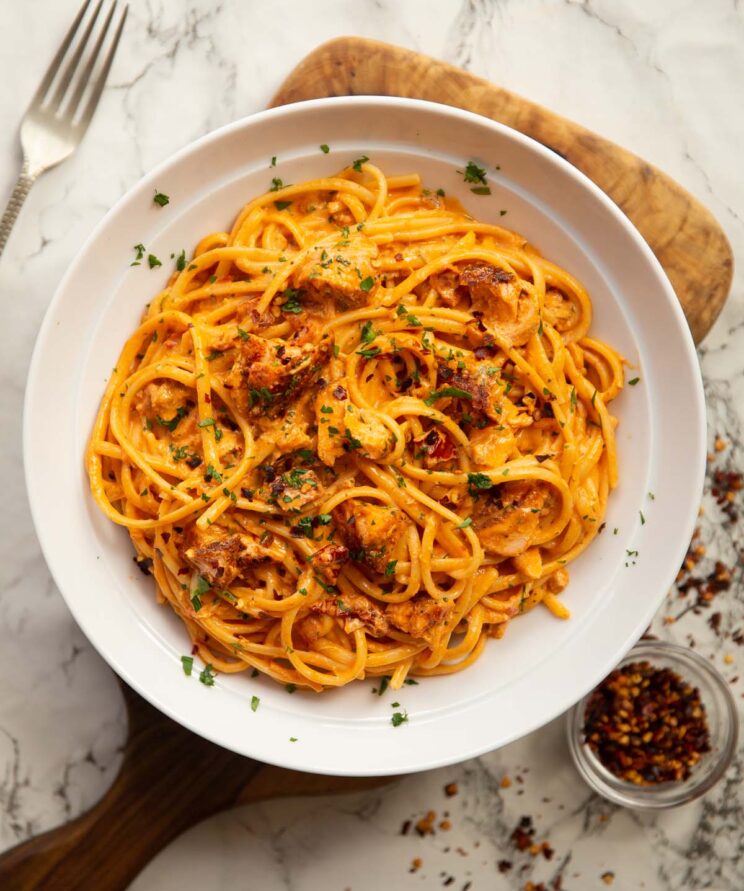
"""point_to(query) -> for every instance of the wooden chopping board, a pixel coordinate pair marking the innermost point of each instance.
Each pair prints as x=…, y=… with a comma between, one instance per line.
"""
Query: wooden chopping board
x=171, y=779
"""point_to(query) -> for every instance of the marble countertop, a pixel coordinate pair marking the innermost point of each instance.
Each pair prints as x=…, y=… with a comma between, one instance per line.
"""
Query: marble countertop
x=663, y=78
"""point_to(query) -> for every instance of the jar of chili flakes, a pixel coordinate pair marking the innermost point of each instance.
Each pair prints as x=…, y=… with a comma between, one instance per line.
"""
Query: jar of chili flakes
x=658, y=732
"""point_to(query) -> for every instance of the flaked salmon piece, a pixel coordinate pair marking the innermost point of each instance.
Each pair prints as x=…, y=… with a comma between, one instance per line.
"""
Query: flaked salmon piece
x=220, y=556
x=266, y=376
x=421, y=617
x=371, y=532
x=501, y=302
x=491, y=447
x=508, y=516
x=356, y=610
x=293, y=490
x=343, y=428
x=560, y=310
x=339, y=268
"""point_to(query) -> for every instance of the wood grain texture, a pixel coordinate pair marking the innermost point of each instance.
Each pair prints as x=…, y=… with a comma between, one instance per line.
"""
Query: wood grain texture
x=683, y=234
x=170, y=780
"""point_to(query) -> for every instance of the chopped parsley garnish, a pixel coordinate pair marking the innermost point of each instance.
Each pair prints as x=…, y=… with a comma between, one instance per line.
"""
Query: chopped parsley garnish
x=152, y=261
x=215, y=354
x=643, y=519
x=160, y=199
x=282, y=205
x=291, y=303
x=352, y=441
x=399, y=718
x=390, y=568
x=207, y=675
x=573, y=397
x=366, y=283
x=633, y=382
x=181, y=261
x=290, y=688
x=325, y=149
x=207, y=422
x=213, y=474
x=293, y=739
x=139, y=253
x=262, y=395
x=273, y=161
x=326, y=409
x=410, y=682
x=175, y=420
x=474, y=174
x=243, y=335
x=478, y=481
x=455, y=392
x=357, y=165
x=384, y=682
x=468, y=521
x=254, y=703
x=276, y=184
x=188, y=664
x=369, y=353
x=481, y=190
x=336, y=350
x=368, y=332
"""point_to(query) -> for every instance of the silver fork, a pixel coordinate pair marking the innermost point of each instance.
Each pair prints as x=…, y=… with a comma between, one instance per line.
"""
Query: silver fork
x=56, y=120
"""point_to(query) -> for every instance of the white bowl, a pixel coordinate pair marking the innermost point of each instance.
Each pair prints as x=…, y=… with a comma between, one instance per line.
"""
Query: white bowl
x=543, y=665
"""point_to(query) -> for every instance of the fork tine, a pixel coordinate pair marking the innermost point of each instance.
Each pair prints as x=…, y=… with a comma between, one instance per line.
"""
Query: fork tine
x=71, y=67
x=57, y=60
x=88, y=70
x=102, y=75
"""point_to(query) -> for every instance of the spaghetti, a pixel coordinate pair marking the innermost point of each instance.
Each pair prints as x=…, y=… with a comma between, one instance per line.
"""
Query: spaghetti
x=358, y=434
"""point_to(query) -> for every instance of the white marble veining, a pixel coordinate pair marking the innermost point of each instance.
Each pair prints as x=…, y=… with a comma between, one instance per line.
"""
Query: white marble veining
x=662, y=77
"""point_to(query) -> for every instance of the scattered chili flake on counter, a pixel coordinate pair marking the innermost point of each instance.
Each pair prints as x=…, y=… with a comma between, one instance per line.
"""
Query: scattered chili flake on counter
x=450, y=790
x=646, y=724
x=608, y=877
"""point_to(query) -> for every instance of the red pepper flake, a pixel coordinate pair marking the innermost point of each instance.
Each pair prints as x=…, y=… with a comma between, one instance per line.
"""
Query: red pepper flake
x=416, y=864
x=504, y=865
x=450, y=790
x=608, y=877
x=646, y=725
x=523, y=834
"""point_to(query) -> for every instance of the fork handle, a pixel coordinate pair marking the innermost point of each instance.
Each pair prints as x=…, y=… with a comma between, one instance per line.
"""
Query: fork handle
x=21, y=190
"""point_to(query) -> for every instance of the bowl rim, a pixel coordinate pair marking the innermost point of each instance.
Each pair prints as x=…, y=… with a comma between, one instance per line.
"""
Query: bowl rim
x=648, y=798
x=468, y=748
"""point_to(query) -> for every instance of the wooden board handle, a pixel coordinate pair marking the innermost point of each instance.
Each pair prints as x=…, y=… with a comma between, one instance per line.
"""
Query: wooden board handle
x=169, y=780
x=683, y=234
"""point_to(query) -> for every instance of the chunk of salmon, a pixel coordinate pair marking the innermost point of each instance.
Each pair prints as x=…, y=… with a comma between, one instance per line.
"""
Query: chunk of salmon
x=342, y=428
x=560, y=310
x=328, y=561
x=480, y=380
x=357, y=611
x=508, y=516
x=421, y=617
x=491, y=447
x=336, y=268
x=293, y=490
x=497, y=296
x=164, y=403
x=220, y=556
x=371, y=532
x=268, y=375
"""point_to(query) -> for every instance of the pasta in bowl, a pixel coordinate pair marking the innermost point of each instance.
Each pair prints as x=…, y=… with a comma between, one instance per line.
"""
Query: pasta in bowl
x=359, y=433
